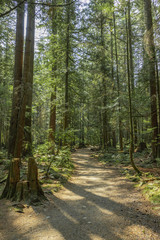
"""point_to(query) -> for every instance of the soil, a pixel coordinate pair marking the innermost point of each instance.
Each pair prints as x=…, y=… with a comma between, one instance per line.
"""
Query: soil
x=98, y=203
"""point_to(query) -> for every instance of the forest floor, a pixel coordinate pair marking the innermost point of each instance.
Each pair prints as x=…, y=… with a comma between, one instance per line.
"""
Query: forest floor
x=98, y=203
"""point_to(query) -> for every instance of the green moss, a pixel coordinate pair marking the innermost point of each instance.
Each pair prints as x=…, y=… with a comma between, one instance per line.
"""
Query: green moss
x=152, y=191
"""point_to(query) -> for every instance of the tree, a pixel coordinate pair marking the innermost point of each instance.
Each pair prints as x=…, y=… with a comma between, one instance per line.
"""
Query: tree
x=130, y=97
x=27, y=142
x=29, y=190
x=150, y=55
x=16, y=101
x=118, y=86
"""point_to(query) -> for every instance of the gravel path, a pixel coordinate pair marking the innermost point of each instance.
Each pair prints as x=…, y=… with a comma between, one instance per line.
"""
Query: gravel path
x=97, y=204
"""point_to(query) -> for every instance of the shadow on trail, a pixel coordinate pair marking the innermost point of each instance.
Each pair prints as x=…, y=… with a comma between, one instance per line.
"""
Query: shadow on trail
x=83, y=211
x=75, y=225
x=88, y=214
x=119, y=209
x=7, y=219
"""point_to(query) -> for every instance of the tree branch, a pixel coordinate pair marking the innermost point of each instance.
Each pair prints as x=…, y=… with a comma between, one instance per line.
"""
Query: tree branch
x=12, y=9
x=42, y=4
x=52, y=5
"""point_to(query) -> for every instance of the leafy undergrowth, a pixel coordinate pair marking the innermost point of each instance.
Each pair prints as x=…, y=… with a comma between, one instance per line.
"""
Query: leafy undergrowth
x=54, y=170
x=149, y=182
x=4, y=166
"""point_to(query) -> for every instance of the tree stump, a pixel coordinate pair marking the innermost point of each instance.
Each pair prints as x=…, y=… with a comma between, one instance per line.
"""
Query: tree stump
x=19, y=192
x=35, y=190
x=12, y=180
x=30, y=190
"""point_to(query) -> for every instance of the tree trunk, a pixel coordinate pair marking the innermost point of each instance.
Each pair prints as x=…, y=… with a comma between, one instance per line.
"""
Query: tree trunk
x=103, y=70
x=9, y=191
x=27, y=130
x=30, y=190
x=16, y=100
x=66, y=113
x=114, y=143
x=130, y=103
x=27, y=72
x=131, y=69
x=118, y=87
x=150, y=55
x=82, y=128
x=35, y=190
x=52, y=124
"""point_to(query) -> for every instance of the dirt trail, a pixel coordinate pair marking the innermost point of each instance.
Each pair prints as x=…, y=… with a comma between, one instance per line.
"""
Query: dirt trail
x=97, y=204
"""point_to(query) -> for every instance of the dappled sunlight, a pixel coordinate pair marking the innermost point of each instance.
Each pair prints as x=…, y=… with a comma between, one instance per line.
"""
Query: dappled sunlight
x=100, y=209
x=95, y=237
x=94, y=205
x=50, y=233
x=137, y=230
x=67, y=195
x=70, y=218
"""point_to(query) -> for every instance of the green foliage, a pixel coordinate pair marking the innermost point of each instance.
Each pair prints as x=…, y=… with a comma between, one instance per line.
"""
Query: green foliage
x=54, y=169
x=149, y=184
x=61, y=158
x=152, y=191
x=115, y=158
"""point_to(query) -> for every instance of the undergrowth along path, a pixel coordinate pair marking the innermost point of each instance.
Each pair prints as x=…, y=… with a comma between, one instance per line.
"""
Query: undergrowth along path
x=96, y=204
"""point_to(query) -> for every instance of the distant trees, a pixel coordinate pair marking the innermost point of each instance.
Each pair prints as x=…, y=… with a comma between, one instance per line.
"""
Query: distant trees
x=7, y=37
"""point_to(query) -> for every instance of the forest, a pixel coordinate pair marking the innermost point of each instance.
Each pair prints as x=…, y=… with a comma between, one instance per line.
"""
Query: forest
x=80, y=100
x=75, y=75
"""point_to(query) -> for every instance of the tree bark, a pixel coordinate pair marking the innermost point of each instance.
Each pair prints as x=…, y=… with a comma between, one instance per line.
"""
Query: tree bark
x=26, y=82
x=131, y=69
x=66, y=113
x=30, y=190
x=118, y=87
x=10, y=191
x=28, y=128
x=130, y=103
x=150, y=55
x=52, y=124
x=103, y=70
x=16, y=99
